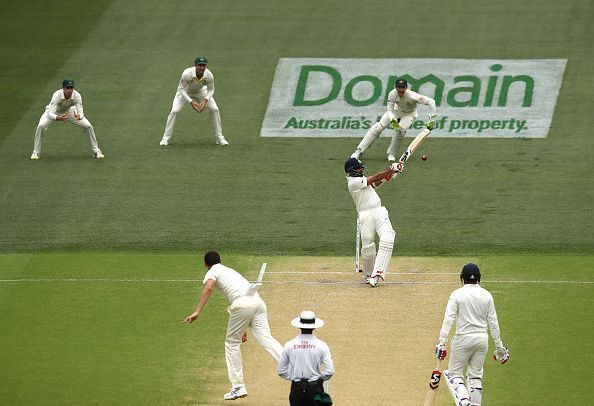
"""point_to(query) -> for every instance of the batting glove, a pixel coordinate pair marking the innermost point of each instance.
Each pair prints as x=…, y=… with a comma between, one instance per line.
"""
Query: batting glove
x=501, y=355
x=394, y=124
x=440, y=351
x=397, y=167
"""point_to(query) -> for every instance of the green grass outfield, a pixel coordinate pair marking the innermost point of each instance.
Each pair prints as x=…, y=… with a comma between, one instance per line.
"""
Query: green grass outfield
x=106, y=329
x=277, y=195
x=83, y=330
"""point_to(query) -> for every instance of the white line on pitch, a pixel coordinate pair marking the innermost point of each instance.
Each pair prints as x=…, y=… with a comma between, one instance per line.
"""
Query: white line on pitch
x=560, y=282
x=322, y=272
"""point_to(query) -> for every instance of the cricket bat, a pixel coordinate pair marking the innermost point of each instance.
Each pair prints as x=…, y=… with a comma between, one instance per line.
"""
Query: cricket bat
x=254, y=287
x=433, y=385
x=412, y=148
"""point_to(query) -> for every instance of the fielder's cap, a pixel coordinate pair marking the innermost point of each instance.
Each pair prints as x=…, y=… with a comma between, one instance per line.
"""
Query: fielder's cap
x=308, y=320
x=470, y=272
x=68, y=83
x=401, y=83
x=201, y=60
x=351, y=164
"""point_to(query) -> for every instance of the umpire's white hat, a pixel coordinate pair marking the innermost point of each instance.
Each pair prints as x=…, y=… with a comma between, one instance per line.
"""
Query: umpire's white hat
x=307, y=320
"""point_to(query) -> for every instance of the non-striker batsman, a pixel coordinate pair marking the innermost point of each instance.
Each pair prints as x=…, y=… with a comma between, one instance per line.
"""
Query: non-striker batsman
x=473, y=310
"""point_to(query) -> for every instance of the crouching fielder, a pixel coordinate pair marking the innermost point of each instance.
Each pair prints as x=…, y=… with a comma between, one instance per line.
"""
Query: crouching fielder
x=473, y=309
x=66, y=105
x=373, y=218
x=400, y=113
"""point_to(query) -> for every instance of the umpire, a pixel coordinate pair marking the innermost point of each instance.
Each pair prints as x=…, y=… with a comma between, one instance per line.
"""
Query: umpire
x=307, y=363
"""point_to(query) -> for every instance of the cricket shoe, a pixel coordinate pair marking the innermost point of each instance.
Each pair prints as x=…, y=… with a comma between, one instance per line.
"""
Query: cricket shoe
x=164, y=142
x=391, y=158
x=221, y=140
x=98, y=155
x=35, y=156
x=373, y=281
x=356, y=154
x=236, y=393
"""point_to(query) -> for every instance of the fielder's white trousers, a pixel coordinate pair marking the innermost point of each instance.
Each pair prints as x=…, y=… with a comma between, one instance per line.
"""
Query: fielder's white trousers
x=178, y=104
x=45, y=121
x=247, y=312
x=468, y=352
x=375, y=131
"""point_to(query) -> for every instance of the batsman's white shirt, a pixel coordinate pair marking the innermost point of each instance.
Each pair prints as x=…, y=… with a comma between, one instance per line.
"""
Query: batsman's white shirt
x=473, y=309
x=364, y=196
x=192, y=87
x=303, y=358
x=60, y=105
x=230, y=282
x=407, y=104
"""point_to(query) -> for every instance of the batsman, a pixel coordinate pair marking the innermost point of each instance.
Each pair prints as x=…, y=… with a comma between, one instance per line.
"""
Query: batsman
x=373, y=218
x=473, y=310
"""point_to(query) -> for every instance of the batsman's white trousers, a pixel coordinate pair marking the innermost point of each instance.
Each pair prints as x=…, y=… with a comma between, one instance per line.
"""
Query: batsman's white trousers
x=377, y=221
x=45, y=121
x=374, y=221
x=178, y=104
x=247, y=312
x=468, y=352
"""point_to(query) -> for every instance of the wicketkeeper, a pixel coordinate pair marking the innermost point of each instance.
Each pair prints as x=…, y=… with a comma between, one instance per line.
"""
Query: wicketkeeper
x=373, y=218
x=400, y=114
x=473, y=309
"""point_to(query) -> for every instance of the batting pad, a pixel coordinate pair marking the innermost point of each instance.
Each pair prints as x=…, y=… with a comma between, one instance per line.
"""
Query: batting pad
x=384, y=254
x=368, y=258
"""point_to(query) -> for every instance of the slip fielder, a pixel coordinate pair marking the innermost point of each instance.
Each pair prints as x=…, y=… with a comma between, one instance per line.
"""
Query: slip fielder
x=400, y=114
x=196, y=87
x=66, y=105
x=473, y=310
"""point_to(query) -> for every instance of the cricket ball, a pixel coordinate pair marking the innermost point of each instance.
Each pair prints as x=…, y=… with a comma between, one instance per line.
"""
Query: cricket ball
x=424, y=157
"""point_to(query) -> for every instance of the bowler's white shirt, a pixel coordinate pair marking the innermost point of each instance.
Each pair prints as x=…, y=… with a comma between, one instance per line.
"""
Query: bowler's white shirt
x=230, y=282
x=473, y=309
x=303, y=358
x=190, y=86
x=364, y=196
x=60, y=105
x=407, y=104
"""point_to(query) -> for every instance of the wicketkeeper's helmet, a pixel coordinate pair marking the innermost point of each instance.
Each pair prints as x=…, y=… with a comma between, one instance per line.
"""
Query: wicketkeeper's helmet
x=470, y=273
x=353, y=167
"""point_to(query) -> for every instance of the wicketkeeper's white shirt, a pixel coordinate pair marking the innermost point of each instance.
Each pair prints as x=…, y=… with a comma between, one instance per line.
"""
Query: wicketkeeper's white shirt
x=230, y=282
x=190, y=86
x=306, y=357
x=473, y=309
x=407, y=104
x=364, y=196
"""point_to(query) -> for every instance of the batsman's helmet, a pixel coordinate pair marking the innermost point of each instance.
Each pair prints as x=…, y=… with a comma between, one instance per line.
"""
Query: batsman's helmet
x=470, y=272
x=353, y=167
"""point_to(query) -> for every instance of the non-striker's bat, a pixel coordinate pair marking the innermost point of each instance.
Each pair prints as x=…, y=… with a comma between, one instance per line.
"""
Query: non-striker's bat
x=433, y=385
